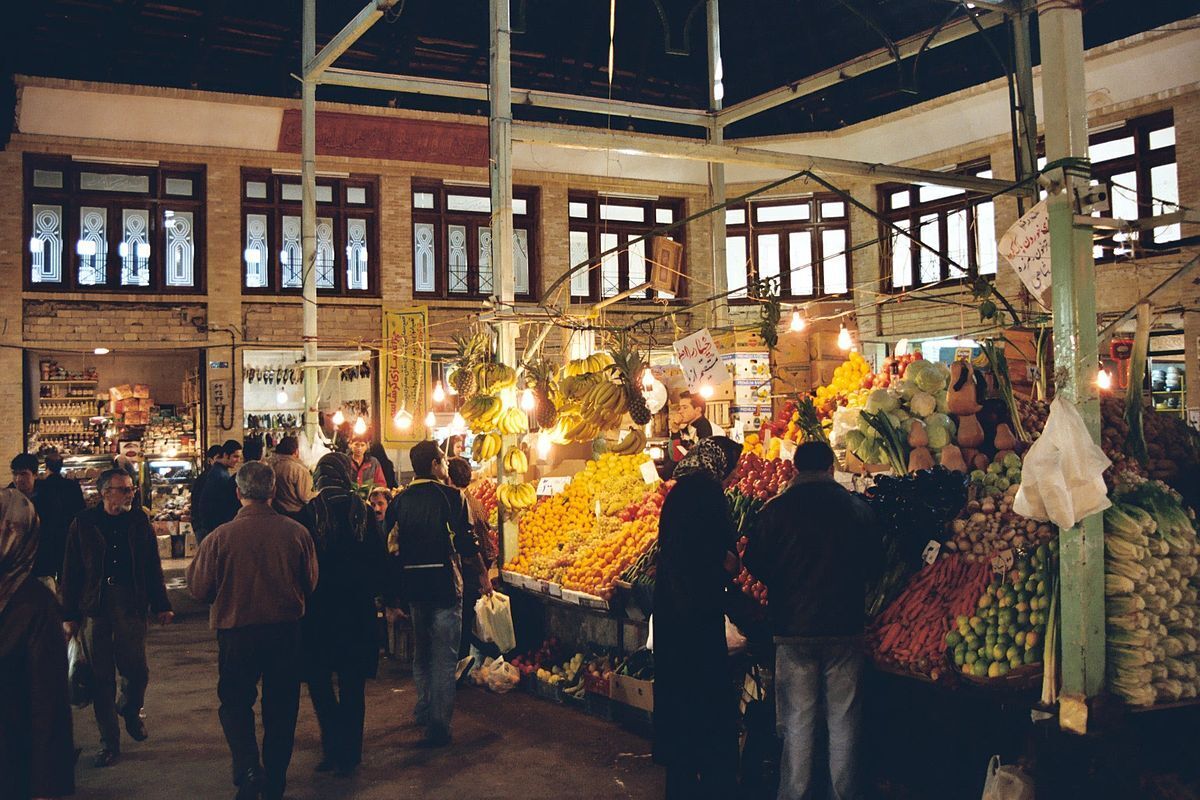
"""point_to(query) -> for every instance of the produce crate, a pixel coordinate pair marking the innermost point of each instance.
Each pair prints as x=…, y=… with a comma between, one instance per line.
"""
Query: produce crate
x=597, y=686
x=598, y=705
x=547, y=691
x=633, y=692
x=555, y=590
x=511, y=578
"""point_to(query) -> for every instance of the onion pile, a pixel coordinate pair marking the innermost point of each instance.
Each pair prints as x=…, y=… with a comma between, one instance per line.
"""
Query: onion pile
x=990, y=526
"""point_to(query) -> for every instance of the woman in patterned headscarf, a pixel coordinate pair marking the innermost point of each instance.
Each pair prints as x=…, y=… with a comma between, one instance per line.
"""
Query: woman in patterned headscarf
x=37, y=756
x=339, y=622
x=695, y=733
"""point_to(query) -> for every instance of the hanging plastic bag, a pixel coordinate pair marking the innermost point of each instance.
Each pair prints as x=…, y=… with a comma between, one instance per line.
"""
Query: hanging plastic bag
x=500, y=676
x=493, y=621
x=1008, y=782
x=1062, y=479
x=79, y=674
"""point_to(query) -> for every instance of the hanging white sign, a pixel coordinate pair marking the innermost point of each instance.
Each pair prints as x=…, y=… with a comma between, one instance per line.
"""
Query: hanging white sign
x=1026, y=247
x=700, y=360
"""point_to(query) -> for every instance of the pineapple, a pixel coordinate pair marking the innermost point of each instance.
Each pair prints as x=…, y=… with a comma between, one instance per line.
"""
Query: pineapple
x=542, y=373
x=466, y=356
x=628, y=364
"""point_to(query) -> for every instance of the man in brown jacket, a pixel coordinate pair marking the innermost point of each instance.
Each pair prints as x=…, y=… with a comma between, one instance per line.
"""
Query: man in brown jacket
x=293, y=480
x=257, y=571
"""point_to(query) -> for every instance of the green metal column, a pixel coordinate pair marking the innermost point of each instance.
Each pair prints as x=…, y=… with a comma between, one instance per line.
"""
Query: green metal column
x=1081, y=567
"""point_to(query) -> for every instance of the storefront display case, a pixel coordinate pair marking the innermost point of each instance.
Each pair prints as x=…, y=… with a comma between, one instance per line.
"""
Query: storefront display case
x=86, y=469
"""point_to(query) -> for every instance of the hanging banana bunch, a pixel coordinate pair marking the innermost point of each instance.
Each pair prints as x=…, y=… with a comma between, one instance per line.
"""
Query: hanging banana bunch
x=516, y=462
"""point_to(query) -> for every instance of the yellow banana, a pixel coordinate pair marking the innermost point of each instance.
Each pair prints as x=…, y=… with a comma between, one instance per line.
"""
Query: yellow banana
x=515, y=461
x=633, y=442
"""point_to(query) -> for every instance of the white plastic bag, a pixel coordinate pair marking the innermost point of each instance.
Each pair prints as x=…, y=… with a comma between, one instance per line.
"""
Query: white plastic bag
x=499, y=676
x=1062, y=479
x=493, y=621
x=1006, y=782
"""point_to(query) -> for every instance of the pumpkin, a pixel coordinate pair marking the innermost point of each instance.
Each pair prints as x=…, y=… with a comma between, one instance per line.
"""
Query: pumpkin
x=962, y=398
x=917, y=435
x=970, y=432
x=920, y=458
x=1004, y=438
x=952, y=458
x=981, y=461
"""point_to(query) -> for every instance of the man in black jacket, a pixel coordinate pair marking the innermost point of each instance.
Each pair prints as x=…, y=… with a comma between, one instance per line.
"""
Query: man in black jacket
x=434, y=535
x=815, y=548
x=57, y=500
x=219, y=503
x=211, y=457
x=111, y=575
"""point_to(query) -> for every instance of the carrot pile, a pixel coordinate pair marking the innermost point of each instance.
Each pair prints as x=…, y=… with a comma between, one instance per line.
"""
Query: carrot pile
x=910, y=632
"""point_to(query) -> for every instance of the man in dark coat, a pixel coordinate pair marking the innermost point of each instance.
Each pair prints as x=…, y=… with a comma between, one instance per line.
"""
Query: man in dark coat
x=211, y=456
x=219, y=503
x=57, y=500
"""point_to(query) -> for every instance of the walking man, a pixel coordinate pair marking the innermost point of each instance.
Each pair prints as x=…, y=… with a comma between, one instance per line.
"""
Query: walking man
x=257, y=572
x=111, y=575
x=293, y=481
x=57, y=500
x=434, y=535
x=815, y=548
x=211, y=456
x=219, y=503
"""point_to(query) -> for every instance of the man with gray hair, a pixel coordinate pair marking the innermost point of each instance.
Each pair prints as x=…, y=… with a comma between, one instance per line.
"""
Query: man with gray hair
x=257, y=571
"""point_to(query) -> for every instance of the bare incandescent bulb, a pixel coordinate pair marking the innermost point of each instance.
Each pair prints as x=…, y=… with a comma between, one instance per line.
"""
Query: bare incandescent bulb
x=797, y=321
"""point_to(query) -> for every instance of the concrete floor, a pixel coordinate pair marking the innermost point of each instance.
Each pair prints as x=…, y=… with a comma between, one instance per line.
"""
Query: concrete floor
x=506, y=746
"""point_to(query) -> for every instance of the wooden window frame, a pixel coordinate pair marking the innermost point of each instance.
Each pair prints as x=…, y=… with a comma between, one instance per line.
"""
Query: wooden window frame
x=275, y=208
x=156, y=201
x=593, y=225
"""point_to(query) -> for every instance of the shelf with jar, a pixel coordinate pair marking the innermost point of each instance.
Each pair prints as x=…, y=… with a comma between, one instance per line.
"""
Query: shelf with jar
x=1167, y=387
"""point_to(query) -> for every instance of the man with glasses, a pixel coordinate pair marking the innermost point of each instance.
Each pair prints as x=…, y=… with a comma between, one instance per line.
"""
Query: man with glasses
x=111, y=576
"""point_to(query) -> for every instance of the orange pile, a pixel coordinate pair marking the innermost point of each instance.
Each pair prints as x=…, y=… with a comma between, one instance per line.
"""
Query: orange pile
x=600, y=567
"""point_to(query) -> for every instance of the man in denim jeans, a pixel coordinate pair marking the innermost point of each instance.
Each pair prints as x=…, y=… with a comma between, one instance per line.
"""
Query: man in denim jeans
x=815, y=548
x=433, y=535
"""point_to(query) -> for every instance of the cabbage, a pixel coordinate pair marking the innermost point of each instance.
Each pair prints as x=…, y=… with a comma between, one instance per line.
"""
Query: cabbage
x=905, y=389
x=906, y=425
x=854, y=440
x=881, y=400
x=943, y=402
x=926, y=376
x=868, y=452
x=866, y=429
x=942, y=370
x=895, y=419
x=940, y=420
x=922, y=404
x=939, y=437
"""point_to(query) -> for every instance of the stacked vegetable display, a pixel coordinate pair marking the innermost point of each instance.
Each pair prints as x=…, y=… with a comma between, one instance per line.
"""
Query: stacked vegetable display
x=753, y=483
x=1151, y=583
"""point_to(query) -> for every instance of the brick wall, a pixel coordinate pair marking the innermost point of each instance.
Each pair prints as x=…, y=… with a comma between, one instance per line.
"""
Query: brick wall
x=67, y=323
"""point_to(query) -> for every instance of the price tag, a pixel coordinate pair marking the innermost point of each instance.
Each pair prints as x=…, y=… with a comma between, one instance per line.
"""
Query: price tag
x=599, y=511
x=549, y=486
x=787, y=449
x=930, y=553
x=649, y=472
x=1002, y=562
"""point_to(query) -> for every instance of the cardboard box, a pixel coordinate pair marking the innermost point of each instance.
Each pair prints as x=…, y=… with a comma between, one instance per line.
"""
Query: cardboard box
x=164, y=545
x=185, y=528
x=189, y=545
x=141, y=390
x=633, y=692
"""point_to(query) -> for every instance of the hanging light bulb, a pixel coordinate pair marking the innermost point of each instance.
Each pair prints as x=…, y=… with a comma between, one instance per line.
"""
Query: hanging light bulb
x=360, y=426
x=458, y=423
x=439, y=394
x=403, y=420
x=339, y=419
x=706, y=390
x=528, y=401
x=1103, y=379
x=844, y=340
x=430, y=420
x=797, y=321
x=281, y=397
x=101, y=351
x=647, y=379
x=543, y=446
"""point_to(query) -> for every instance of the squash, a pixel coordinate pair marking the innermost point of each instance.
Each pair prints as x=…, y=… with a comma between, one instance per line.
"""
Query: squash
x=917, y=435
x=920, y=458
x=952, y=458
x=970, y=432
x=962, y=398
x=968, y=454
x=1004, y=438
x=981, y=461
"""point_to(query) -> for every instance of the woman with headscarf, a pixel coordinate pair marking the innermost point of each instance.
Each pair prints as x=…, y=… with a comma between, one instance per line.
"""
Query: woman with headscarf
x=37, y=753
x=695, y=719
x=339, y=627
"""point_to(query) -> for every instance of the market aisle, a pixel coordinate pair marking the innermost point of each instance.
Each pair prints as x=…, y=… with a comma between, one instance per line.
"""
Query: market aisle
x=511, y=746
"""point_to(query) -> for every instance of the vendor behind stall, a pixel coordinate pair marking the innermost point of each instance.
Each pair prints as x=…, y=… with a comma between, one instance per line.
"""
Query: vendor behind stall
x=689, y=424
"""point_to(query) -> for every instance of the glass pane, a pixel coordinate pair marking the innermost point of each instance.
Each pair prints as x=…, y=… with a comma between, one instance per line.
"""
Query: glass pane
x=520, y=261
x=290, y=254
x=956, y=244
x=291, y=191
x=485, y=260
x=985, y=237
x=736, y=265
x=900, y=199
x=767, y=261
x=135, y=247
x=256, y=190
x=1164, y=187
x=664, y=216
x=181, y=249
x=928, y=193
x=53, y=179
x=422, y=199
x=324, y=252
x=791, y=211
x=46, y=244
x=931, y=237
x=987, y=173
x=324, y=194
x=1164, y=137
x=114, y=182
x=577, y=210
x=520, y=205
x=255, y=253
x=834, y=274
x=735, y=216
x=901, y=257
x=424, y=277
x=610, y=271
x=356, y=195
x=622, y=213
x=1105, y=151
x=637, y=264
x=833, y=210
x=1124, y=195
x=180, y=187
x=92, y=246
x=800, y=256
x=466, y=202
x=357, y=279
x=579, y=254
x=458, y=259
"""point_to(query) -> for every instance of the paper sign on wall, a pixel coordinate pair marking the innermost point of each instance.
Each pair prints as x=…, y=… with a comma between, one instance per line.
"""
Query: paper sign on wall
x=700, y=360
x=1026, y=246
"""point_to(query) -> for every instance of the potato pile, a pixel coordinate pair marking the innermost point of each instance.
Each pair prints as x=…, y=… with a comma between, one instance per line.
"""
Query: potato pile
x=989, y=526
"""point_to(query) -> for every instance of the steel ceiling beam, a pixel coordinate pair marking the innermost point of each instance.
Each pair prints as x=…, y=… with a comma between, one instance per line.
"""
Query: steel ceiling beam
x=697, y=150
x=882, y=57
x=344, y=39
x=465, y=90
x=1002, y=6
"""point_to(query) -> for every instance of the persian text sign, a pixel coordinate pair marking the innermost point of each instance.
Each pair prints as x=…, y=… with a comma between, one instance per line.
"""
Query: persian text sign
x=700, y=360
x=404, y=373
x=1026, y=246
